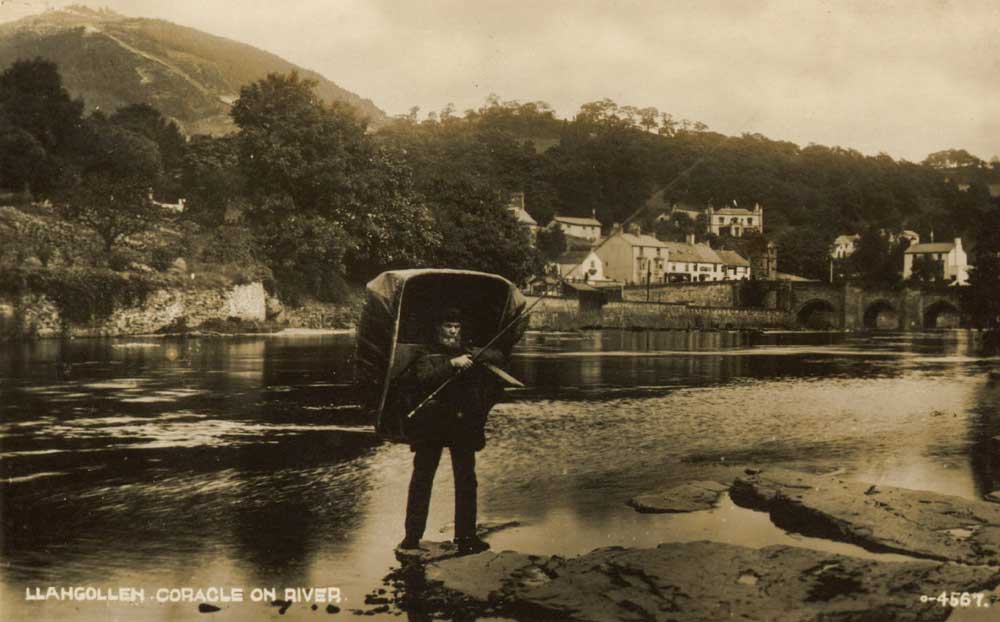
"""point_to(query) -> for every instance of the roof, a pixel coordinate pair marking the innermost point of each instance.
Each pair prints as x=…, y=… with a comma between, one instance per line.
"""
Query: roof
x=523, y=216
x=575, y=257
x=580, y=287
x=691, y=253
x=784, y=276
x=931, y=247
x=573, y=220
x=732, y=258
x=642, y=240
x=734, y=211
x=846, y=239
x=707, y=254
x=575, y=243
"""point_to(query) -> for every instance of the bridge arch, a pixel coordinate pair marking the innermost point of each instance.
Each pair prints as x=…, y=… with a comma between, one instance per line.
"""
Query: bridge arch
x=816, y=313
x=942, y=314
x=881, y=314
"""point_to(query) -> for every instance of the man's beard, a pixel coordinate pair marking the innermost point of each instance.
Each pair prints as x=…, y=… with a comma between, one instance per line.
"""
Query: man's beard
x=453, y=343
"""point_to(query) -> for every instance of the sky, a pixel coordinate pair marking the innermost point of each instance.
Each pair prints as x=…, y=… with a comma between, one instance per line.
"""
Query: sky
x=902, y=77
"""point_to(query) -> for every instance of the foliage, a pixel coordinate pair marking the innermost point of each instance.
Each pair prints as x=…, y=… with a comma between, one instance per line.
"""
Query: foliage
x=926, y=271
x=877, y=261
x=38, y=126
x=804, y=253
x=551, y=242
x=325, y=197
x=113, y=208
x=981, y=299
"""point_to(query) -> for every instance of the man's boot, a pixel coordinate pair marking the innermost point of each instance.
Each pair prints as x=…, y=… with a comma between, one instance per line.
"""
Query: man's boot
x=471, y=545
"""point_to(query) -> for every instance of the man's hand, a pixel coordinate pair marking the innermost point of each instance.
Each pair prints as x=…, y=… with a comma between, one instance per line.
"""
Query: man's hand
x=461, y=362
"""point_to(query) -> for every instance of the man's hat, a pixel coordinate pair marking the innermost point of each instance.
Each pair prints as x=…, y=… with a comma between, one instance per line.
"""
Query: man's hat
x=449, y=314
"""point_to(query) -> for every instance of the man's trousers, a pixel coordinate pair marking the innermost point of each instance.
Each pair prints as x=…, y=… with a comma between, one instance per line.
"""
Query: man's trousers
x=418, y=502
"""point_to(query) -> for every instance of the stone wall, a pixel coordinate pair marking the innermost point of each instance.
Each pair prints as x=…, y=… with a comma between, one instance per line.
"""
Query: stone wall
x=563, y=314
x=720, y=294
x=36, y=316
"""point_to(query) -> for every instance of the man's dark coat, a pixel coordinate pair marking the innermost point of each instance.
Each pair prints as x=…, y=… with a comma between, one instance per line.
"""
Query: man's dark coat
x=456, y=417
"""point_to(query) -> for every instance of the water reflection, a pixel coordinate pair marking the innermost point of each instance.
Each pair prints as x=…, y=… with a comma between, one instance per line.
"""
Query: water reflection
x=246, y=462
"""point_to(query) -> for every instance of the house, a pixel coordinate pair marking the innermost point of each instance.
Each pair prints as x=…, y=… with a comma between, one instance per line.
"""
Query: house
x=948, y=258
x=844, y=246
x=587, y=228
x=693, y=262
x=686, y=210
x=735, y=221
x=911, y=236
x=737, y=267
x=633, y=258
x=177, y=207
x=516, y=208
x=578, y=265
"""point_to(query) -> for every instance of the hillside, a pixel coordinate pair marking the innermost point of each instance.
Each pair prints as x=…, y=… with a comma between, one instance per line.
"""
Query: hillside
x=111, y=60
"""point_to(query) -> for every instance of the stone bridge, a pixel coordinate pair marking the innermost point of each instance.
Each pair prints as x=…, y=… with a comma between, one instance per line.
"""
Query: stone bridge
x=820, y=305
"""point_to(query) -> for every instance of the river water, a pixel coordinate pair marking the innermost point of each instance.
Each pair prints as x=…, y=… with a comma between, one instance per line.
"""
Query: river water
x=243, y=462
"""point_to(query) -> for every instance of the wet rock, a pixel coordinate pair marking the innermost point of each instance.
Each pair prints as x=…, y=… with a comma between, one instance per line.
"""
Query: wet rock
x=886, y=519
x=703, y=581
x=484, y=576
x=282, y=605
x=689, y=497
x=428, y=552
x=487, y=527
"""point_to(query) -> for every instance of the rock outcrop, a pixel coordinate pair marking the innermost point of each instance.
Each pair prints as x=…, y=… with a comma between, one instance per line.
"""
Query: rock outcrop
x=698, y=581
x=689, y=497
x=878, y=518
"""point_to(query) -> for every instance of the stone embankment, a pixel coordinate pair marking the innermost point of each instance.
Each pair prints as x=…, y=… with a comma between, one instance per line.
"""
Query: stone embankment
x=568, y=314
x=953, y=543
x=240, y=308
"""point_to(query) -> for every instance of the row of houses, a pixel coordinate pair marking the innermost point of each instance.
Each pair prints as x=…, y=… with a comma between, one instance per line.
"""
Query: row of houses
x=634, y=258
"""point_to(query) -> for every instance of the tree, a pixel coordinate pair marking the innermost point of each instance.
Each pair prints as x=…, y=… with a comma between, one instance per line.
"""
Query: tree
x=147, y=121
x=872, y=262
x=926, y=270
x=312, y=166
x=981, y=299
x=551, y=242
x=114, y=208
x=38, y=126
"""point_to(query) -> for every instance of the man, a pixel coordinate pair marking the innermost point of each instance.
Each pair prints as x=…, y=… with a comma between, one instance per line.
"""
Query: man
x=455, y=419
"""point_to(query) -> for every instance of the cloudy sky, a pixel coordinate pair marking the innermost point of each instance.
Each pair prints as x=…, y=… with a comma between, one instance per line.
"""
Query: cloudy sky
x=904, y=77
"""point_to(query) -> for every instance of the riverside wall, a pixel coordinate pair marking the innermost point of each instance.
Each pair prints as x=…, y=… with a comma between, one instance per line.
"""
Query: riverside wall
x=36, y=316
x=564, y=314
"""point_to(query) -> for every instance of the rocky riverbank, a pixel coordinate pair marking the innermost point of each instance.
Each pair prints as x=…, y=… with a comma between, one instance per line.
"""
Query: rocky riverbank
x=951, y=546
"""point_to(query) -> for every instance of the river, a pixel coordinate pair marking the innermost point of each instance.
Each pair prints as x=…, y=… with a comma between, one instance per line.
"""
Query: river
x=243, y=462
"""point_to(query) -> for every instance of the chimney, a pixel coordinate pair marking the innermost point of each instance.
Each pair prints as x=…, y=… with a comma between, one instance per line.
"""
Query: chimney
x=616, y=228
x=689, y=238
x=958, y=244
x=932, y=235
x=634, y=228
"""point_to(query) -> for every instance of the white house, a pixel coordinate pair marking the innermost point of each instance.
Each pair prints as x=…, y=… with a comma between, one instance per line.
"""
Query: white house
x=844, y=246
x=693, y=262
x=587, y=228
x=632, y=258
x=579, y=266
x=949, y=257
x=737, y=266
x=735, y=221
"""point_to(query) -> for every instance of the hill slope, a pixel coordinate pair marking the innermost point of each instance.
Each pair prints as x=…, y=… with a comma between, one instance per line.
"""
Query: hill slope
x=111, y=60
